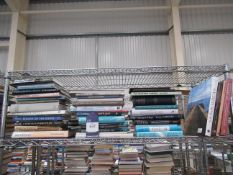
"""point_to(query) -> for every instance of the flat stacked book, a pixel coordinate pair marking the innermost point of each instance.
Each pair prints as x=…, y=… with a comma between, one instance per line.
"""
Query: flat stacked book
x=108, y=106
x=102, y=162
x=158, y=159
x=39, y=110
x=156, y=113
x=7, y=155
x=129, y=162
x=17, y=160
x=209, y=108
x=77, y=160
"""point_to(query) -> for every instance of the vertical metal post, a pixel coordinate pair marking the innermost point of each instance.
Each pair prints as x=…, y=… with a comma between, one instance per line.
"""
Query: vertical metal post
x=53, y=157
x=1, y=159
x=200, y=162
x=187, y=156
x=182, y=161
x=205, y=157
x=38, y=161
x=63, y=159
x=48, y=161
x=33, y=160
x=4, y=107
x=226, y=72
x=223, y=159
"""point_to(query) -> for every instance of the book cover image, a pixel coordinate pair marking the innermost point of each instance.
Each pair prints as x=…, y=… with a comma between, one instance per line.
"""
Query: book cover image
x=198, y=108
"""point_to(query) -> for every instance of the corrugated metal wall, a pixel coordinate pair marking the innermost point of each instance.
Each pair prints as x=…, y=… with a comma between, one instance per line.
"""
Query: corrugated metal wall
x=210, y=49
x=3, y=59
x=206, y=49
x=133, y=51
x=111, y=52
x=60, y=54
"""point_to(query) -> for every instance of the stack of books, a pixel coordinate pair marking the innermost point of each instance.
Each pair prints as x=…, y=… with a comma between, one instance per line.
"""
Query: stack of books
x=209, y=108
x=77, y=160
x=129, y=162
x=39, y=110
x=108, y=106
x=102, y=162
x=7, y=155
x=158, y=159
x=17, y=161
x=156, y=113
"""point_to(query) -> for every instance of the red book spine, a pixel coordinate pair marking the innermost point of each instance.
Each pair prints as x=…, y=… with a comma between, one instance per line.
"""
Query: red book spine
x=226, y=109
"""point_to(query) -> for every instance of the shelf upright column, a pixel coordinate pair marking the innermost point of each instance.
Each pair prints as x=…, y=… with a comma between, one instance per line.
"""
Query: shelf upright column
x=33, y=160
x=226, y=72
x=38, y=161
x=48, y=161
x=4, y=106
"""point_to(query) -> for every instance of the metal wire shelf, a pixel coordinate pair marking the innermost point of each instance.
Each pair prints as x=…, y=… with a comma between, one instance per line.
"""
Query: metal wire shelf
x=121, y=78
x=128, y=141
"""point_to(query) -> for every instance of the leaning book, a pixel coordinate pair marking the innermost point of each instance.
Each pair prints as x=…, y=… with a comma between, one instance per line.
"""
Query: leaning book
x=201, y=107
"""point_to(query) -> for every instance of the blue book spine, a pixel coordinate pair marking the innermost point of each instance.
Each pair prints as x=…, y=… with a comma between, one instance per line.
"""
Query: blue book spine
x=156, y=107
x=37, y=118
x=105, y=119
x=36, y=86
x=160, y=134
x=157, y=128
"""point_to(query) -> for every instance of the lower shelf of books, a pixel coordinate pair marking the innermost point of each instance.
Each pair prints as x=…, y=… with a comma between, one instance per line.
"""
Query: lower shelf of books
x=190, y=158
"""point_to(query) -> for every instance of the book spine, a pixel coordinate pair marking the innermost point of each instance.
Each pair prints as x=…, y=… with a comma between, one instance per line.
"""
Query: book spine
x=46, y=123
x=226, y=109
x=156, y=128
x=37, y=118
x=211, y=110
x=30, y=91
x=40, y=134
x=154, y=93
x=155, y=122
x=221, y=109
x=105, y=120
x=34, y=107
x=135, y=112
x=38, y=95
x=36, y=86
x=157, y=107
x=157, y=117
x=37, y=128
x=105, y=113
x=154, y=100
x=160, y=134
x=94, y=108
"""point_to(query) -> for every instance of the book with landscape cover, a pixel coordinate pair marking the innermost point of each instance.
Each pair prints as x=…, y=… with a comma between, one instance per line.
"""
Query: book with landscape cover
x=201, y=107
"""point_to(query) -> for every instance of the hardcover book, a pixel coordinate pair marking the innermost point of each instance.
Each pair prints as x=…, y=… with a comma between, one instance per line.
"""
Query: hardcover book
x=201, y=107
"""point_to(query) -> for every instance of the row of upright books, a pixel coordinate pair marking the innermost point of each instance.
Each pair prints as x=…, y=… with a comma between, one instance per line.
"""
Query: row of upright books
x=43, y=109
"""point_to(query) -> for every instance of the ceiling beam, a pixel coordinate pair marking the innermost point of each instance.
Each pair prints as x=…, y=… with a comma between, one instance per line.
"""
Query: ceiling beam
x=206, y=6
x=95, y=10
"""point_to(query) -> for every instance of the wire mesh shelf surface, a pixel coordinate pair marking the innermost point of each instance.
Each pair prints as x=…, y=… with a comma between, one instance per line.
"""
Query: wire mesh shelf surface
x=121, y=78
x=129, y=141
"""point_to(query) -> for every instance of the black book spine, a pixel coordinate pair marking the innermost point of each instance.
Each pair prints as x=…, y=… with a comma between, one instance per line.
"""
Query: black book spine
x=154, y=100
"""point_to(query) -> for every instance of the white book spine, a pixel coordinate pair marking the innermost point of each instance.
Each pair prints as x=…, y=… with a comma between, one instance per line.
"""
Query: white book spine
x=154, y=112
x=36, y=107
x=210, y=117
